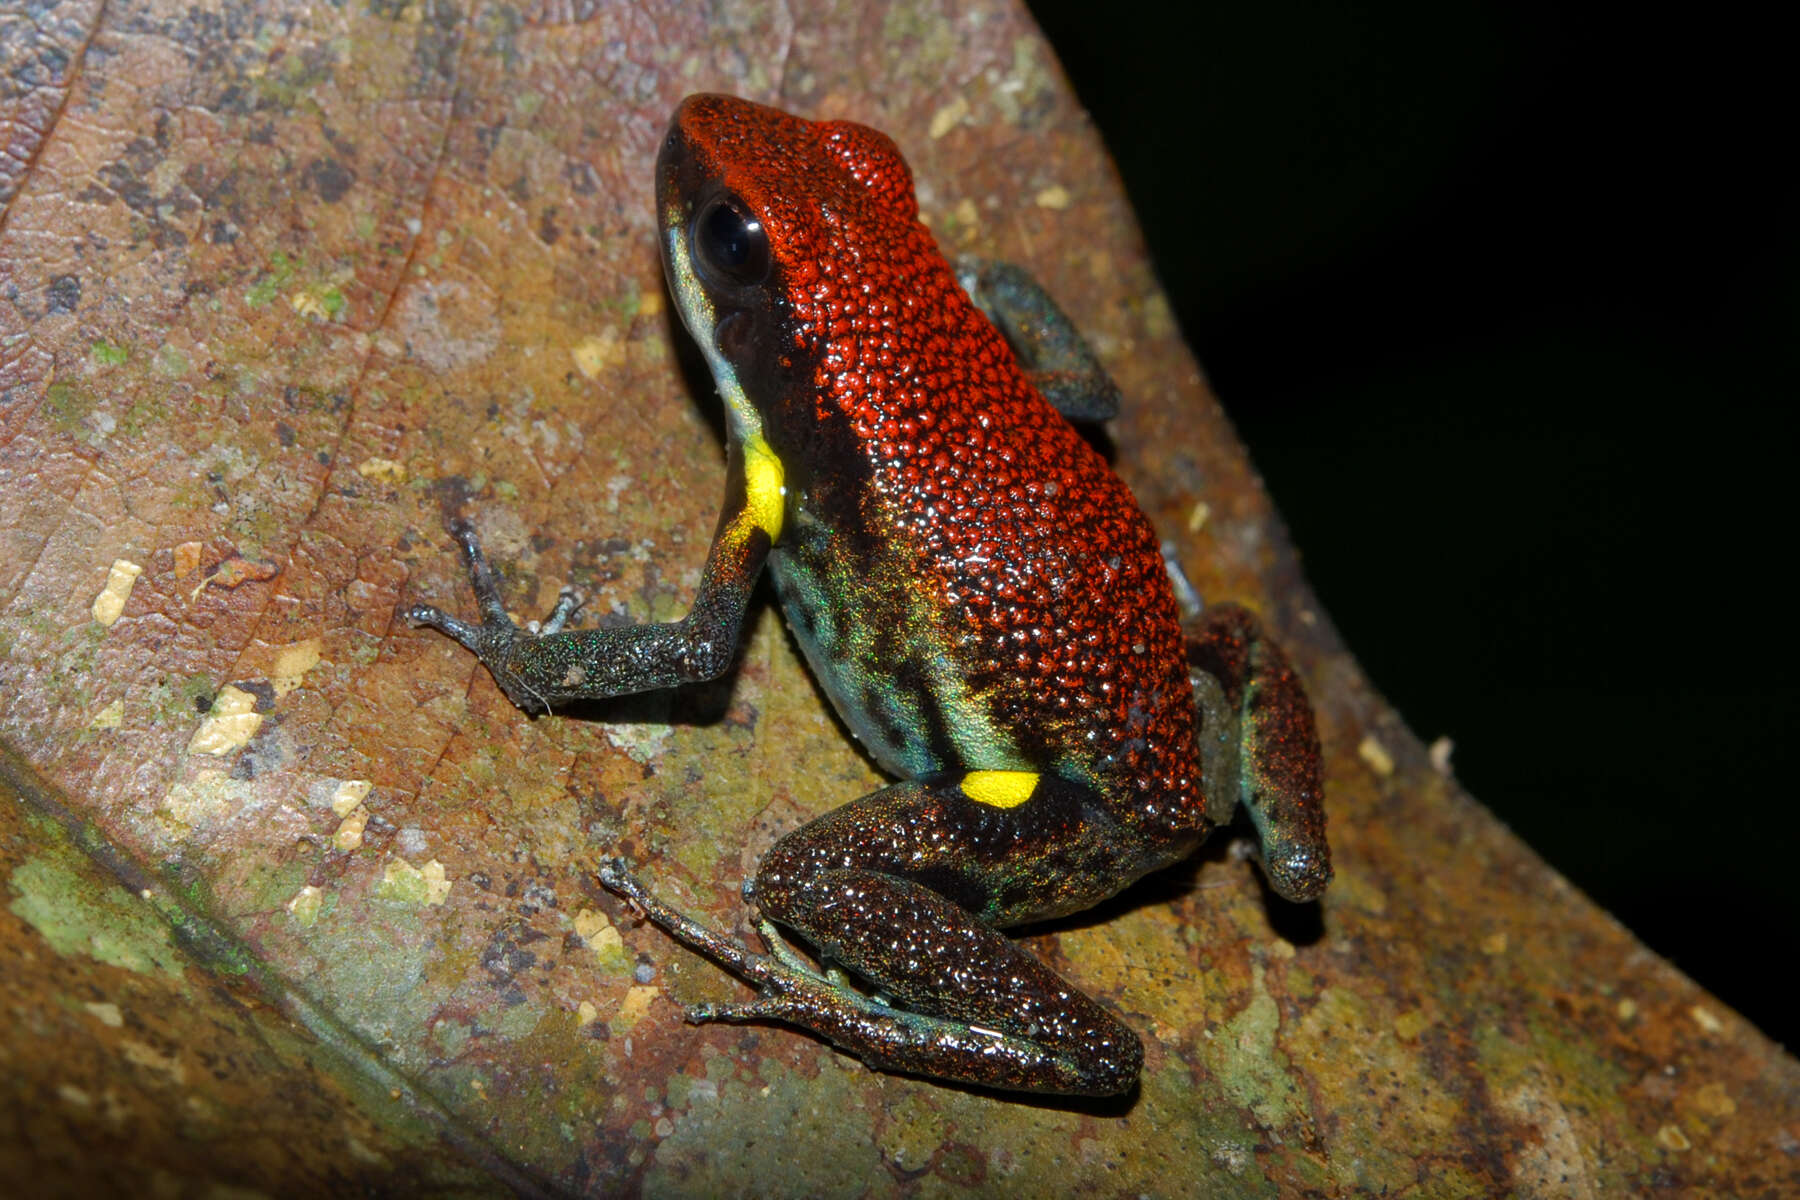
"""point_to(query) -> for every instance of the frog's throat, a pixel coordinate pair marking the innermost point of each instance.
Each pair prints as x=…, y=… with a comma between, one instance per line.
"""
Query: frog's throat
x=698, y=314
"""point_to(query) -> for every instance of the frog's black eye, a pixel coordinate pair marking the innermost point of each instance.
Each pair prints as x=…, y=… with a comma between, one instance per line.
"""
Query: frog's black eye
x=730, y=244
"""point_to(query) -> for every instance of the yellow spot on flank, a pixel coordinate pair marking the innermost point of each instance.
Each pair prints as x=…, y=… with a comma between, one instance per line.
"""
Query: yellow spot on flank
x=763, y=485
x=1001, y=789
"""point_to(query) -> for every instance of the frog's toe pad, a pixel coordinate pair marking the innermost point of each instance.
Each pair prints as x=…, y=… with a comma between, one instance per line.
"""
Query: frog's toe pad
x=1298, y=873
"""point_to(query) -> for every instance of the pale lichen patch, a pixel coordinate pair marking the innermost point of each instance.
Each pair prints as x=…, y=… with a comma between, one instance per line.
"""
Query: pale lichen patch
x=406, y=884
x=292, y=663
x=201, y=804
x=110, y=717
x=642, y=743
x=1379, y=759
x=230, y=725
x=139, y=1054
x=305, y=905
x=105, y=1013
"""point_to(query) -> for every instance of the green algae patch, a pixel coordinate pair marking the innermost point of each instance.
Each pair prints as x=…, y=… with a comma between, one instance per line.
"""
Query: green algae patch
x=1252, y=1069
x=78, y=917
x=107, y=354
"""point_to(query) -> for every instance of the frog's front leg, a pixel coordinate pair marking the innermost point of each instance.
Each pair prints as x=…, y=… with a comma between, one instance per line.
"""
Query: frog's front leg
x=552, y=665
x=909, y=888
x=1056, y=358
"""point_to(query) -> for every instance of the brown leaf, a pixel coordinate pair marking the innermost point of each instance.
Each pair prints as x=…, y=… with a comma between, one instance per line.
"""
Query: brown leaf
x=278, y=286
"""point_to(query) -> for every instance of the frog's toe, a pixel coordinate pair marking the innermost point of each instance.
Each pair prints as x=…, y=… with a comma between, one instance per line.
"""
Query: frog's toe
x=430, y=616
x=568, y=603
x=1297, y=872
x=615, y=876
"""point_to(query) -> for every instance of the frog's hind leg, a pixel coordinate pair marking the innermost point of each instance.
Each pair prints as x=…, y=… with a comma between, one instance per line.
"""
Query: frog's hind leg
x=1259, y=747
x=895, y=887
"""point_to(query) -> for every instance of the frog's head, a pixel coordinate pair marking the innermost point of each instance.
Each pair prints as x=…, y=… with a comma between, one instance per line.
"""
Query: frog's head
x=784, y=241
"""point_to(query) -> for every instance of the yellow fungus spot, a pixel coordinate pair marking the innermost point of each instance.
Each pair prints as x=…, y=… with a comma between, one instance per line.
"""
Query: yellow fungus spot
x=763, y=485
x=309, y=306
x=598, y=353
x=348, y=794
x=1712, y=1099
x=1001, y=789
x=349, y=835
x=634, y=1006
x=111, y=600
x=1056, y=196
x=382, y=470
x=948, y=117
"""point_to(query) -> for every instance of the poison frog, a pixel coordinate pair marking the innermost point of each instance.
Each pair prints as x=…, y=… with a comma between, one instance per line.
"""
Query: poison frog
x=978, y=593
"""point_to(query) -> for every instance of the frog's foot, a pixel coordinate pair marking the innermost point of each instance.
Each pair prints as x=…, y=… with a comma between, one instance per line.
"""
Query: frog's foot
x=1260, y=748
x=774, y=974
x=497, y=630
x=497, y=639
x=886, y=1037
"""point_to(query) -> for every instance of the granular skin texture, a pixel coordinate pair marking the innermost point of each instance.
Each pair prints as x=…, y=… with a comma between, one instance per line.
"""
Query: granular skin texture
x=1046, y=574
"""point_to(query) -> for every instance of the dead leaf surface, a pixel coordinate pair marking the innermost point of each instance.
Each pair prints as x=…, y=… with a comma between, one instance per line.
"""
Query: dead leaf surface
x=281, y=283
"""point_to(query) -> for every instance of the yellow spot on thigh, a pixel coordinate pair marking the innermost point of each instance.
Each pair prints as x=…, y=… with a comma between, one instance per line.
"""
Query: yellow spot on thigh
x=1002, y=789
x=763, y=482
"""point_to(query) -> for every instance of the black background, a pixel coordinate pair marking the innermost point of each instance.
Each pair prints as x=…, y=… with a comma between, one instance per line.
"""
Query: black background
x=1503, y=299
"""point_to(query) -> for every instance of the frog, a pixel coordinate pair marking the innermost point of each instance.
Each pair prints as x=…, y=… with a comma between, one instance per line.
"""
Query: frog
x=977, y=592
